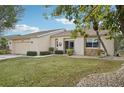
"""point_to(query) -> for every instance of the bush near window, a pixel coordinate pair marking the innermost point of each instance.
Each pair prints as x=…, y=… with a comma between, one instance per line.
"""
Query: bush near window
x=100, y=52
x=58, y=52
x=51, y=49
x=31, y=53
x=44, y=53
x=121, y=52
x=2, y=52
x=70, y=51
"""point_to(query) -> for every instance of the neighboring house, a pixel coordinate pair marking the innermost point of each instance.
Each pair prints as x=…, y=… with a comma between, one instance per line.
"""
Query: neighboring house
x=60, y=39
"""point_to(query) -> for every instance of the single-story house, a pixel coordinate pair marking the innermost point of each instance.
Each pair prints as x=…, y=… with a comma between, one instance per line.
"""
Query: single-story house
x=60, y=39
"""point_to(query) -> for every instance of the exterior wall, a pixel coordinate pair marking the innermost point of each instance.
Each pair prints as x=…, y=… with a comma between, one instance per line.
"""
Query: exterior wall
x=91, y=51
x=40, y=43
x=60, y=40
x=109, y=45
x=33, y=44
x=20, y=46
x=52, y=42
x=10, y=44
x=79, y=46
x=43, y=43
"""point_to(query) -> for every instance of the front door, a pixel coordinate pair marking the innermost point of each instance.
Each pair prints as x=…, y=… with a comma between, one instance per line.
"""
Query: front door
x=69, y=44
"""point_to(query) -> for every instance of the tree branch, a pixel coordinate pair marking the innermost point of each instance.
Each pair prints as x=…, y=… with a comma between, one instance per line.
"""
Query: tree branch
x=91, y=12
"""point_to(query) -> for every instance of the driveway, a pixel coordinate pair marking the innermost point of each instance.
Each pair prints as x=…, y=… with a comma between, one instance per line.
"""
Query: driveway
x=2, y=57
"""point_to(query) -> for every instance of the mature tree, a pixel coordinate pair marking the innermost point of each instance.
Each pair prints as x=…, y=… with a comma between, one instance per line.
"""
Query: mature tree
x=9, y=15
x=3, y=43
x=81, y=15
x=120, y=17
x=111, y=17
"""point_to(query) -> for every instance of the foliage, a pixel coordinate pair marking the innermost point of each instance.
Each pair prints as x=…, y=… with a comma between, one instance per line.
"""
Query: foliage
x=58, y=51
x=70, y=51
x=83, y=16
x=119, y=43
x=44, y=53
x=121, y=53
x=5, y=52
x=31, y=53
x=100, y=52
x=3, y=43
x=9, y=15
x=110, y=17
x=51, y=49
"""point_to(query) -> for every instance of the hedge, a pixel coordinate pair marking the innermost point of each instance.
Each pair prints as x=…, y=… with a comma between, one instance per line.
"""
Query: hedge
x=2, y=52
x=44, y=53
x=58, y=52
x=70, y=51
x=31, y=53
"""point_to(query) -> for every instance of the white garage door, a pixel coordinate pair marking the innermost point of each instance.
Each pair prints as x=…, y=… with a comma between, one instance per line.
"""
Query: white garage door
x=21, y=48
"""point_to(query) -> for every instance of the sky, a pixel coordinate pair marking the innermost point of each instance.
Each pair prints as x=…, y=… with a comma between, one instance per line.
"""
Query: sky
x=33, y=21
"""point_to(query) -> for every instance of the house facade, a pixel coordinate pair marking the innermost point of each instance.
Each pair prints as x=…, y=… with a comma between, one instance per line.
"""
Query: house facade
x=60, y=39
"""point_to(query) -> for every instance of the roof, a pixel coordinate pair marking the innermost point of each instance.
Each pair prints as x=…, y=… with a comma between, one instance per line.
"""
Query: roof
x=60, y=34
x=64, y=33
x=31, y=35
x=89, y=32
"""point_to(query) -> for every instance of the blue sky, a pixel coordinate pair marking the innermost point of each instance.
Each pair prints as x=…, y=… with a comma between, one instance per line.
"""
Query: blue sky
x=33, y=21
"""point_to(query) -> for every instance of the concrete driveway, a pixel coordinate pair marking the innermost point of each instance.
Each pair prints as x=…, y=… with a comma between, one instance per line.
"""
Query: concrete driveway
x=8, y=56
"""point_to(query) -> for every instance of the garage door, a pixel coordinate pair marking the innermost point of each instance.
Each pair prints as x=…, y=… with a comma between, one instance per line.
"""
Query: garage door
x=21, y=48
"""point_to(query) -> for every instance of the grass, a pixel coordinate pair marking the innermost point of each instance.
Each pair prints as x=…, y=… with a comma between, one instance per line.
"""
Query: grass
x=51, y=71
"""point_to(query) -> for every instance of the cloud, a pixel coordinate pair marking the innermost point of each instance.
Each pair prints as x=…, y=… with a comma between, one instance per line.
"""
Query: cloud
x=24, y=28
x=64, y=21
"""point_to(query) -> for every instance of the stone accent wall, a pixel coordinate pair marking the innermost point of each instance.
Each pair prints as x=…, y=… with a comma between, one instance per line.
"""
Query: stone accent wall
x=91, y=51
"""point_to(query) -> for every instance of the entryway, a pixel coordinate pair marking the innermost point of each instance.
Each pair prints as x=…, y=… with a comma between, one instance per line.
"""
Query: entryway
x=68, y=44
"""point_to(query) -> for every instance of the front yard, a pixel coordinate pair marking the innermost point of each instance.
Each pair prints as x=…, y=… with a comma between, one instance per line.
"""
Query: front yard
x=51, y=71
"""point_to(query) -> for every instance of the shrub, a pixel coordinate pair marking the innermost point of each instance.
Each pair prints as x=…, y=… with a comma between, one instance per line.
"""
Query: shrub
x=100, y=51
x=51, y=49
x=44, y=53
x=5, y=52
x=58, y=52
x=31, y=53
x=8, y=51
x=70, y=51
x=2, y=52
x=121, y=53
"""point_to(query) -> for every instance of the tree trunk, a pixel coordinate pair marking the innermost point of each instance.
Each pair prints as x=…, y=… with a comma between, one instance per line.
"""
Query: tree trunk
x=100, y=40
x=120, y=12
x=95, y=27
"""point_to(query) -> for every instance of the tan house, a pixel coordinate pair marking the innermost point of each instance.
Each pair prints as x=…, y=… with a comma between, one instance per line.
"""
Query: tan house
x=60, y=39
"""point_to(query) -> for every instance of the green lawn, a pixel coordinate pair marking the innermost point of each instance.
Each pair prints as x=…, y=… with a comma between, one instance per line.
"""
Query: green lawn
x=50, y=71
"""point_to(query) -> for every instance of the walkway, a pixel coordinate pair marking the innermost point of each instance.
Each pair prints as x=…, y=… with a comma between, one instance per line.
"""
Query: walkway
x=3, y=57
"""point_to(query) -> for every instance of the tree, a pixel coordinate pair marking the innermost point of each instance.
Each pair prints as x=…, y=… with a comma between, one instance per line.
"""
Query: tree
x=86, y=14
x=120, y=17
x=9, y=15
x=3, y=43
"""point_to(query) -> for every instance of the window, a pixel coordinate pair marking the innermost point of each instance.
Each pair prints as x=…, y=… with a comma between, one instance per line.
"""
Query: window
x=56, y=42
x=92, y=42
x=71, y=44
